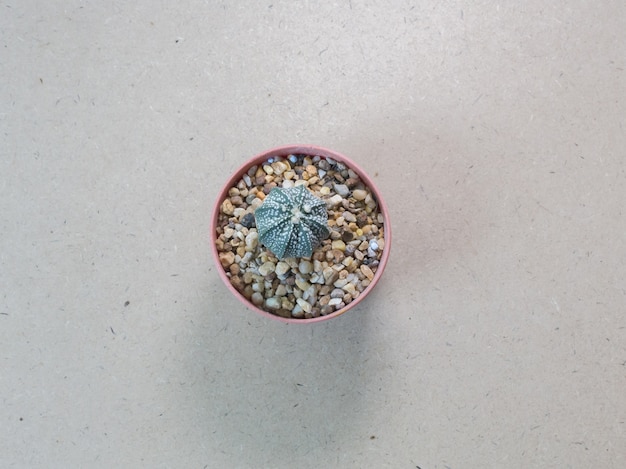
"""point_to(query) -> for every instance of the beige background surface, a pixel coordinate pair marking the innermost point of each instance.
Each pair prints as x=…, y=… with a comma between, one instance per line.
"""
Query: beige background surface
x=496, y=131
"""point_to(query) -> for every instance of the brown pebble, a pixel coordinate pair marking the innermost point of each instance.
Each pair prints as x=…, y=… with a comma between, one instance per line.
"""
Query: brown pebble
x=283, y=313
x=227, y=207
x=338, y=255
x=227, y=258
x=361, y=219
x=351, y=182
x=236, y=281
x=257, y=298
x=367, y=272
x=234, y=269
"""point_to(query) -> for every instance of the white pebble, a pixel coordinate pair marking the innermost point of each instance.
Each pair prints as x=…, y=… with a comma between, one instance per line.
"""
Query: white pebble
x=252, y=241
x=341, y=189
x=246, y=258
x=305, y=267
x=340, y=283
x=349, y=217
x=272, y=303
x=305, y=305
x=334, y=200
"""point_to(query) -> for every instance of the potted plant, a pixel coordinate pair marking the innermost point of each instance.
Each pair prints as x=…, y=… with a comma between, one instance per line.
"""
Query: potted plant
x=300, y=234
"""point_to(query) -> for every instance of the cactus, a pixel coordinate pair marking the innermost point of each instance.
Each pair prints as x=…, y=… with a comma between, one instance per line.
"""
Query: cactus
x=292, y=222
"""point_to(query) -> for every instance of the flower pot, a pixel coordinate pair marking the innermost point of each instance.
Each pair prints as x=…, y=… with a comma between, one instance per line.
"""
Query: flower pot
x=258, y=286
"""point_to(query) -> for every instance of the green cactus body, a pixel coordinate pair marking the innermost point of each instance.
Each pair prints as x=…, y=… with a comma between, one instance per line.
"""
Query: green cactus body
x=292, y=222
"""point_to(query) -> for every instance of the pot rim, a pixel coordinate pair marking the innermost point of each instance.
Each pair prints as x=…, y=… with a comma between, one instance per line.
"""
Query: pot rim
x=311, y=150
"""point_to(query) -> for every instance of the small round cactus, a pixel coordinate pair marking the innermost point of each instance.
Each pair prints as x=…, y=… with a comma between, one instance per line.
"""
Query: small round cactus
x=292, y=222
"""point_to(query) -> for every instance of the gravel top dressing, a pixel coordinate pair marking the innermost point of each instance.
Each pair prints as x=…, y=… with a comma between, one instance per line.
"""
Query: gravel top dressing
x=340, y=267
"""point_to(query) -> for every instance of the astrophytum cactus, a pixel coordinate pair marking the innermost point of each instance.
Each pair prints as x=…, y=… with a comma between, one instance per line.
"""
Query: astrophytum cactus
x=292, y=222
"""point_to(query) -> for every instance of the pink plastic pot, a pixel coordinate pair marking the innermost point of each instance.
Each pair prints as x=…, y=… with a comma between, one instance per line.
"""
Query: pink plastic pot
x=284, y=151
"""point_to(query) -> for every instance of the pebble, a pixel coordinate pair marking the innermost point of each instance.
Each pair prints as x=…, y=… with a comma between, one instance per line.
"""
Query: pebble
x=346, y=237
x=245, y=260
x=350, y=288
x=302, y=284
x=367, y=272
x=305, y=267
x=227, y=207
x=257, y=299
x=338, y=244
x=248, y=220
x=282, y=268
x=359, y=194
x=280, y=167
x=252, y=241
x=349, y=217
x=297, y=312
x=281, y=290
x=336, y=301
x=334, y=200
x=341, y=189
x=227, y=258
x=305, y=305
x=361, y=219
x=272, y=303
x=373, y=247
x=340, y=283
x=266, y=268
x=330, y=275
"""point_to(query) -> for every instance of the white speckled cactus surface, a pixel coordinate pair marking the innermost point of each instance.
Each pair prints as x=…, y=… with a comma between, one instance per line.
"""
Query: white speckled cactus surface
x=292, y=222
